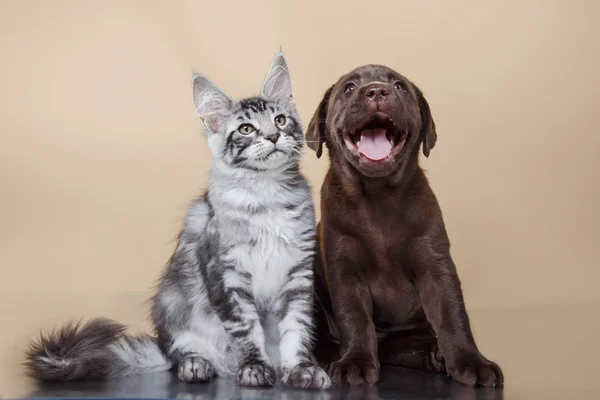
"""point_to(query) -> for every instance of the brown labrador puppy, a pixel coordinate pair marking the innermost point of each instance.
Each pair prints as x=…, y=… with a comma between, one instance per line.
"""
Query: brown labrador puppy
x=386, y=284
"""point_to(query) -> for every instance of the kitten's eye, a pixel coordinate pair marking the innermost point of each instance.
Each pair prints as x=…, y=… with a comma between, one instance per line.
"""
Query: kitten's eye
x=280, y=120
x=399, y=85
x=349, y=87
x=246, y=129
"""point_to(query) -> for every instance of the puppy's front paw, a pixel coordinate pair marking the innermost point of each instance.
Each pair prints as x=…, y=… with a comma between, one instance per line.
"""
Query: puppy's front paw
x=311, y=377
x=194, y=369
x=355, y=371
x=472, y=368
x=255, y=375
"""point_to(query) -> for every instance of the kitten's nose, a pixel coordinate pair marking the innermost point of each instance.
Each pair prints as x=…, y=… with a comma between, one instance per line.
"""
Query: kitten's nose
x=274, y=137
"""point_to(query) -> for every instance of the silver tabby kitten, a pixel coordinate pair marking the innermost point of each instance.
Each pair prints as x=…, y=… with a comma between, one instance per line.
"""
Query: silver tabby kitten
x=236, y=296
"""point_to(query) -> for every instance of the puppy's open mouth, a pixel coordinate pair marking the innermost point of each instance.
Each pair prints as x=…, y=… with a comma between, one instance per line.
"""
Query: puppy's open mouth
x=377, y=140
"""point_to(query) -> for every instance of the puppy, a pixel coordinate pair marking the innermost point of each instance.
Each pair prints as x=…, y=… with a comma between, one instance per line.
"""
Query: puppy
x=387, y=287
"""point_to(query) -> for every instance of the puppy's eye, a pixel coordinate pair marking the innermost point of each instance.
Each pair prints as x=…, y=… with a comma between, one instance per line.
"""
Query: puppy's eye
x=280, y=120
x=349, y=87
x=246, y=129
x=399, y=85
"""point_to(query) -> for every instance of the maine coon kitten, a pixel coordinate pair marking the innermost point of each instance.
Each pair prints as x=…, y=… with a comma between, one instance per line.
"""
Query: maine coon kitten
x=236, y=296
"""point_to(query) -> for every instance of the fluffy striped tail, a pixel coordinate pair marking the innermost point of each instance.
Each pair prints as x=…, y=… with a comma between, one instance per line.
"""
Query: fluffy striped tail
x=94, y=350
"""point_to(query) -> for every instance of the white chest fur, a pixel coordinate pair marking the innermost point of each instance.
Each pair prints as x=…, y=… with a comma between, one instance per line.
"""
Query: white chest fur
x=271, y=252
x=261, y=218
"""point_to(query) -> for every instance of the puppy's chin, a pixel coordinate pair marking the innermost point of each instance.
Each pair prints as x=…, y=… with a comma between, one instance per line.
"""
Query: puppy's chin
x=370, y=168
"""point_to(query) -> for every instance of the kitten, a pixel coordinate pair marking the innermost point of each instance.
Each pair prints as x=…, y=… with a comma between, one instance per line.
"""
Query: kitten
x=236, y=296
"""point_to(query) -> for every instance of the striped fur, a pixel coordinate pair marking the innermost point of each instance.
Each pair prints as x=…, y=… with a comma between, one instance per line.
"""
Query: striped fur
x=236, y=296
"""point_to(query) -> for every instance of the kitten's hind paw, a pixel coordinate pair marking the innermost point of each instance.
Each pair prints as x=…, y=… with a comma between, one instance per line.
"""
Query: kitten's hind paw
x=255, y=375
x=313, y=377
x=193, y=369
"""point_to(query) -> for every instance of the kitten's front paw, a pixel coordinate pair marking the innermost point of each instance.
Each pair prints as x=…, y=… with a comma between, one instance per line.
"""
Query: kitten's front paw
x=194, y=369
x=255, y=375
x=312, y=377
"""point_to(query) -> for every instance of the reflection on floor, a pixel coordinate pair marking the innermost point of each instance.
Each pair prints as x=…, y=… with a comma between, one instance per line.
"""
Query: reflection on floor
x=545, y=353
x=396, y=384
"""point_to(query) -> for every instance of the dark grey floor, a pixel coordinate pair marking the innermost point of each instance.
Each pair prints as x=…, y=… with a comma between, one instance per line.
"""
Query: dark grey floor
x=396, y=383
x=546, y=353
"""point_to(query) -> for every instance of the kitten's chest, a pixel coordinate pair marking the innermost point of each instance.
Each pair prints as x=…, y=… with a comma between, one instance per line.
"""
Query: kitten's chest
x=275, y=248
x=274, y=230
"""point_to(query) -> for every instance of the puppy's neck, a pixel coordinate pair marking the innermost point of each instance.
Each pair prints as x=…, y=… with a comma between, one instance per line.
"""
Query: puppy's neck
x=353, y=182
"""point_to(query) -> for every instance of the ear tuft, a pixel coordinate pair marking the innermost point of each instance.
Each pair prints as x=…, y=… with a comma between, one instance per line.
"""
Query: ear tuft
x=278, y=84
x=211, y=104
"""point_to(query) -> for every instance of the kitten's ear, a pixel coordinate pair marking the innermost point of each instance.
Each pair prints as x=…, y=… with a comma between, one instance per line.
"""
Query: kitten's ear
x=212, y=105
x=278, y=85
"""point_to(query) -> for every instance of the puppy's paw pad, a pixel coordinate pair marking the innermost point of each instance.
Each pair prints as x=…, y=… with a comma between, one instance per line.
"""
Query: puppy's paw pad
x=255, y=375
x=311, y=377
x=194, y=369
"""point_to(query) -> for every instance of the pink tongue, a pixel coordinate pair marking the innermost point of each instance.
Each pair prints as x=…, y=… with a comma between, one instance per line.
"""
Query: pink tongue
x=373, y=144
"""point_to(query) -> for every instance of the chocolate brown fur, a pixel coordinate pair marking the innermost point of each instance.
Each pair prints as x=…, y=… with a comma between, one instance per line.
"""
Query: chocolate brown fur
x=386, y=284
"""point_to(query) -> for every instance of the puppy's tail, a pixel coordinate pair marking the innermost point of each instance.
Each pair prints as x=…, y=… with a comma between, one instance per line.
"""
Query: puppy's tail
x=94, y=350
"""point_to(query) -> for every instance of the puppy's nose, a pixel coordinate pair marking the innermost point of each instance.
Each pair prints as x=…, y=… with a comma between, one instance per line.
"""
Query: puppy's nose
x=274, y=137
x=377, y=92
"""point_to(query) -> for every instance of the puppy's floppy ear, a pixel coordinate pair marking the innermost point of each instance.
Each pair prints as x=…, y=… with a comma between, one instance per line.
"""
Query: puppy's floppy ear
x=428, y=133
x=315, y=133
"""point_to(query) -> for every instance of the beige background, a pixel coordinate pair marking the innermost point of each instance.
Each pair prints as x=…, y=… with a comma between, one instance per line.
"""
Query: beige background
x=99, y=153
